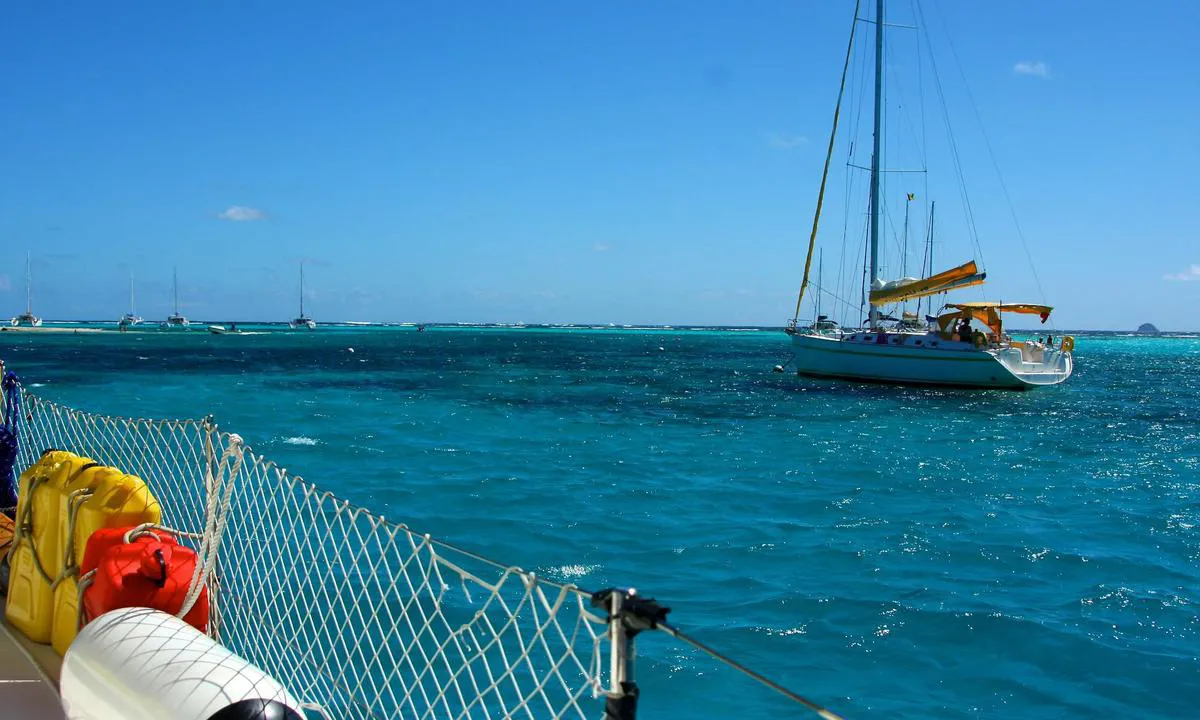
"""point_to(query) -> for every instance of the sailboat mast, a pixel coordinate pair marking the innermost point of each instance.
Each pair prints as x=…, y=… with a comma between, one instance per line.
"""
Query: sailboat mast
x=175, y=287
x=28, y=284
x=927, y=254
x=820, y=282
x=301, y=288
x=932, y=210
x=132, y=307
x=874, y=314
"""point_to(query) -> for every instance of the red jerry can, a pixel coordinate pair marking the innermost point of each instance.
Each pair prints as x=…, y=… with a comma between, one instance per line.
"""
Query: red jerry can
x=152, y=571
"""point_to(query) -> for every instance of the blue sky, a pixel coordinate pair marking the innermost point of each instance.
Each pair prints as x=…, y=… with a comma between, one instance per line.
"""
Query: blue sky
x=618, y=162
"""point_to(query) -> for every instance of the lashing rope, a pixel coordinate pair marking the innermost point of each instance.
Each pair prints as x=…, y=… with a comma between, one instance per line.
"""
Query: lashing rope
x=220, y=495
x=23, y=530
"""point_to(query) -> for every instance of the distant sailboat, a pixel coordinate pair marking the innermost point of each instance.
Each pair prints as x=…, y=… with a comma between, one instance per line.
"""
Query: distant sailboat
x=175, y=319
x=303, y=321
x=28, y=318
x=823, y=325
x=130, y=318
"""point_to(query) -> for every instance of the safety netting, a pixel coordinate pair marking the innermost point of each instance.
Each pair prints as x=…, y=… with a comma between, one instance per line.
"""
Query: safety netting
x=358, y=616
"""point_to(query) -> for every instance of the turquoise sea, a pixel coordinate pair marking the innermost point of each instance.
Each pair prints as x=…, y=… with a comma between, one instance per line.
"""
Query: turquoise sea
x=889, y=552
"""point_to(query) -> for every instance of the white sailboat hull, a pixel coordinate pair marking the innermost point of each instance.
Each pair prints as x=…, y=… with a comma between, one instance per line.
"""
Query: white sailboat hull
x=934, y=361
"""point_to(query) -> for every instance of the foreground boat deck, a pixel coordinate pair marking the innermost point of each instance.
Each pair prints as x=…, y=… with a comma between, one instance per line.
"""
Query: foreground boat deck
x=27, y=690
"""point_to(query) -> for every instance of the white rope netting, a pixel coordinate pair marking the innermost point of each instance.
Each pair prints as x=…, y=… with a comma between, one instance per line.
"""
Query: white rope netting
x=360, y=616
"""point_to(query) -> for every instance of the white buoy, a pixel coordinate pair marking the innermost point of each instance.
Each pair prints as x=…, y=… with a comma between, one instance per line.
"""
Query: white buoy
x=142, y=664
x=350, y=349
x=778, y=368
x=661, y=348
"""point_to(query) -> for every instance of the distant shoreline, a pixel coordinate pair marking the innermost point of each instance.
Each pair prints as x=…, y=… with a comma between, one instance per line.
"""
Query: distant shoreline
x=68, y=330
x=201, y=326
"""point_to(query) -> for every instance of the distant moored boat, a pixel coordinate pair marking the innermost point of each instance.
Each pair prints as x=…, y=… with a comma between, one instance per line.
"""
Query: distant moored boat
x=130, y=318
x=27, y=318
x=303, y=321
x=175, y=319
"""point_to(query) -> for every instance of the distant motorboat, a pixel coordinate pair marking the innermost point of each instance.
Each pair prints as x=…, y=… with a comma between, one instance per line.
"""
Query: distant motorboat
x=217, y=329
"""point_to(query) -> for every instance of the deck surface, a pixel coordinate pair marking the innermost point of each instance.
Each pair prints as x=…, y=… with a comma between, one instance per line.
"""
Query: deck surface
x=27, y=691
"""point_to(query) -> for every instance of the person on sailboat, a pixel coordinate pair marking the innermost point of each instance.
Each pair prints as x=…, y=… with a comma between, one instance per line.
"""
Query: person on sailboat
x=962, y=330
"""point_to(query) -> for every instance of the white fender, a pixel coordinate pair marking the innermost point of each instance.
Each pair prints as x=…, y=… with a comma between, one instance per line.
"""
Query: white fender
x=142, y=664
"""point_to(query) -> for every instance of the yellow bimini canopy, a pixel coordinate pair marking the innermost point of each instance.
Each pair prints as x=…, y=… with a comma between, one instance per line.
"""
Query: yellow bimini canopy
x=989, y=312
x=964, y=275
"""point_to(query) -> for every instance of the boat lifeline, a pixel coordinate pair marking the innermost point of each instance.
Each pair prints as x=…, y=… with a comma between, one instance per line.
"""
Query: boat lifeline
x=963, y=345
x=326, y=610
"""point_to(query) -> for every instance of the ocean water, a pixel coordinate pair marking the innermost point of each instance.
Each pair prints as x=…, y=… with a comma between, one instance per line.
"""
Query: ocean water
x=885, y=551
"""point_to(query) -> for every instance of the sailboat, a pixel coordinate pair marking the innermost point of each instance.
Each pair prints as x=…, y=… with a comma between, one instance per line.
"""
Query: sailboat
x=175, y=319
x=303, y=321
x=963, y=345
x=130, y=318
x=28, y=318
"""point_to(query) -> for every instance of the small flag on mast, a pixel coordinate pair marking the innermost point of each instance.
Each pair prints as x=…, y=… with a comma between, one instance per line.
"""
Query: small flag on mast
x=911, y=196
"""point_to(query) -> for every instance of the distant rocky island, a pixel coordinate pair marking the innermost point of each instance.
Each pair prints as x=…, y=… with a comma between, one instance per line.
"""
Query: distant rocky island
x=1147, y=329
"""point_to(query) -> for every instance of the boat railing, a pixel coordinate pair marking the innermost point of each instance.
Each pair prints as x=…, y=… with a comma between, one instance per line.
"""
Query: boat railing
x=359, y=616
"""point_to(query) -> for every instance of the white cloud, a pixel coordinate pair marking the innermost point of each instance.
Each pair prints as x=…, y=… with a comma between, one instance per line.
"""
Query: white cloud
x=787, y=142
x=241, y=213
x=601, y=247
x=1192, y=273
x=1032, y=67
